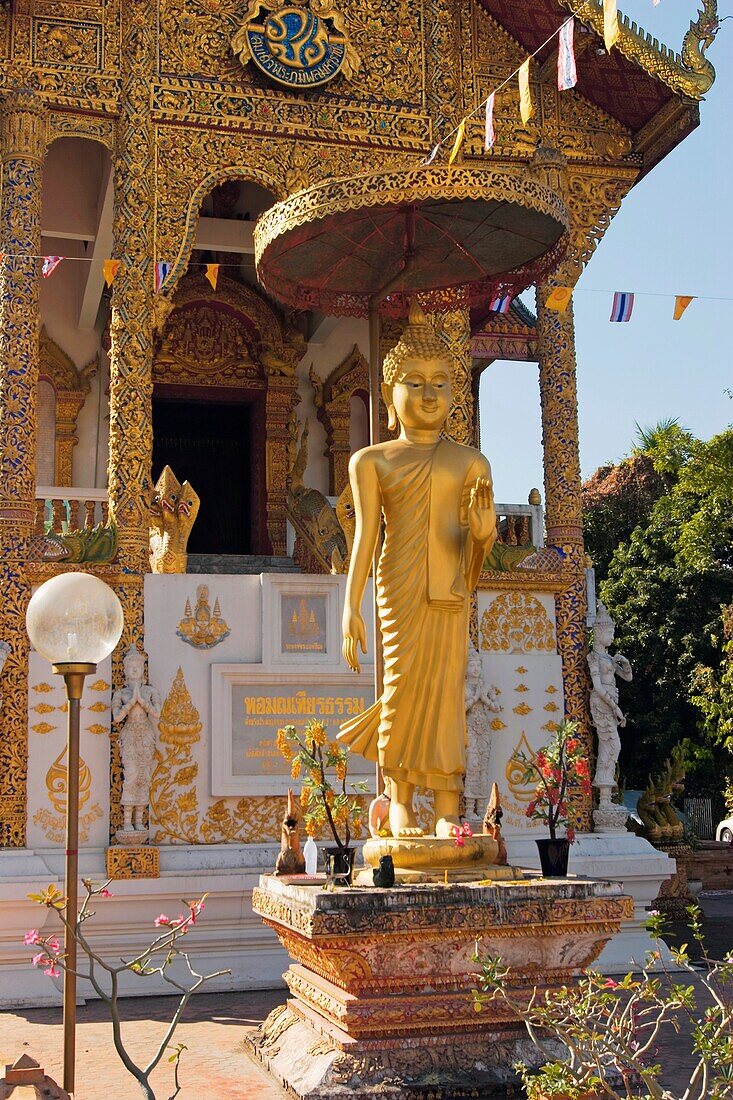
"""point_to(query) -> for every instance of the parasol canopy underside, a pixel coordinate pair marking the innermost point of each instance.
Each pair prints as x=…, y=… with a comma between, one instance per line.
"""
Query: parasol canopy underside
x=454, y=237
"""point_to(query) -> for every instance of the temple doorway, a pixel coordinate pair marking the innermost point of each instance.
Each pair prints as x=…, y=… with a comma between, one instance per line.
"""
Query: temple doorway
x=209, y=443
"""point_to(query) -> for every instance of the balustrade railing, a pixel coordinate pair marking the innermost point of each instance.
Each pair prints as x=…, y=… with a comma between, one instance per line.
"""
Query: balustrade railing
x=61, y=508
x=520, y=524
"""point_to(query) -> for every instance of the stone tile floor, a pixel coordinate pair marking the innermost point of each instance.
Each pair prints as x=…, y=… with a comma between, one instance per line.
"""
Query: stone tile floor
x=216, y=1066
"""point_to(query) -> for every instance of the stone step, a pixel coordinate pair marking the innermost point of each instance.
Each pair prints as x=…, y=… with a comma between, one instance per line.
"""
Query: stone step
x=240, y=563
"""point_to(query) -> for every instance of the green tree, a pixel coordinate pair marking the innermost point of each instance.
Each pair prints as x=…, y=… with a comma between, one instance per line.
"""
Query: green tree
x=666, y=587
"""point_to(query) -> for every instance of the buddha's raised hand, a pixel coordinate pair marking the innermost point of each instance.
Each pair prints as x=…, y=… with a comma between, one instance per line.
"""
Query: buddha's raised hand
x=481, y=515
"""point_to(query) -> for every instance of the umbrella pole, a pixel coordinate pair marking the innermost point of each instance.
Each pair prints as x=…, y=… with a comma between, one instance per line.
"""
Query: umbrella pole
x=375, y=333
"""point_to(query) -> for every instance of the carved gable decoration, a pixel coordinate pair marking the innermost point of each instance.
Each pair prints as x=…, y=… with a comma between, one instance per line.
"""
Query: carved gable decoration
x=71, y=387
x=217, y=337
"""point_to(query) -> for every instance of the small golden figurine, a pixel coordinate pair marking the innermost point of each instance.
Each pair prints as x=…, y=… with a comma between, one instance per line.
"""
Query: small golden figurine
x=290, y=859
x=437, y=501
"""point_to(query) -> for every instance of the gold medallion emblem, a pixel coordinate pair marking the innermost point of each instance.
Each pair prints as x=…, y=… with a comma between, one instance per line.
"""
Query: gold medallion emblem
x=298, y=44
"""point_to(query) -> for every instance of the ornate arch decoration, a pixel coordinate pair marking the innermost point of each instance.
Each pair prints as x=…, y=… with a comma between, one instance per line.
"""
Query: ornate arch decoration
x=232, y=172
x=233, y=337
x=333, y=405
x=70, y=387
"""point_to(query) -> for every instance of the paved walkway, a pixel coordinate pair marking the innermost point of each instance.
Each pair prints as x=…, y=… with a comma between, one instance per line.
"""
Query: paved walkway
x=216, y=1065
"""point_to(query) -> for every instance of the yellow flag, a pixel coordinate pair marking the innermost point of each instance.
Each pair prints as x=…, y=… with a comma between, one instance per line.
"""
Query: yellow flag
x=610, y=23
x=212, y=274
x=559, y=298
x=681, y=303
x=110, y=269
x=526, y=108
x=458, y=142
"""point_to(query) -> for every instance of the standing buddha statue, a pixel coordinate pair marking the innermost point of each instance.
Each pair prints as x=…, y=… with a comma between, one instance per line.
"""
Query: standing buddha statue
x=437, y=500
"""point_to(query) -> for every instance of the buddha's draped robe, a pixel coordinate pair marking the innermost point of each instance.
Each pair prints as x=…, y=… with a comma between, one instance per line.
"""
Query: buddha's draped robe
x=417, y=729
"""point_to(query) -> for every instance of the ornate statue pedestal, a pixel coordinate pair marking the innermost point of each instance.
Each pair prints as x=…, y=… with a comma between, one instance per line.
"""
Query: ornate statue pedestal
x=434, y=859
x=381, y=980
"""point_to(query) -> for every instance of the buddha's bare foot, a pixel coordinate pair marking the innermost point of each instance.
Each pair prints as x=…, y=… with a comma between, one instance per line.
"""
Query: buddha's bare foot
x=446, y=826
x=402, y=820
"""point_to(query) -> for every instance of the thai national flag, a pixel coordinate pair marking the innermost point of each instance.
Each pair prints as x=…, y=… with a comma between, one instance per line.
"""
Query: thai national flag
x=502, y=303
x=49, y=265
x=623, y=305
x=162, y=271
x=567, y=75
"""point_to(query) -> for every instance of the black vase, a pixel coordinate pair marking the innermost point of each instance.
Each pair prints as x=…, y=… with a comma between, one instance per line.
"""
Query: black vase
x=554, y=857
x=340, y=865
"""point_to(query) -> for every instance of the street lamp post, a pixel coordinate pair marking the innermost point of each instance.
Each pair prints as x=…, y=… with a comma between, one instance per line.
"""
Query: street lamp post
x=73, y=620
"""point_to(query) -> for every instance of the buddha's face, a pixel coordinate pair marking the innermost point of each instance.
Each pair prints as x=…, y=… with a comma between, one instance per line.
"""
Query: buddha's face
x=421, y=393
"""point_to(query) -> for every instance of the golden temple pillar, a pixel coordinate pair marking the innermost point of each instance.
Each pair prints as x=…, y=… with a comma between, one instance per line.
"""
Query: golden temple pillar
x=131, y=330
x=22, y=148
x=455, y=328
x=563, y=502
x=282, y=397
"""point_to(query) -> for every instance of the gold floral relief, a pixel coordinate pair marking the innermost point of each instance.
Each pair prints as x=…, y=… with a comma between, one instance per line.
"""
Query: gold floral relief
x=516, y=622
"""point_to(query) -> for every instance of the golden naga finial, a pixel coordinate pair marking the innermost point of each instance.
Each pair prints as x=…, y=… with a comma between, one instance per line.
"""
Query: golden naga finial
x=700, y=36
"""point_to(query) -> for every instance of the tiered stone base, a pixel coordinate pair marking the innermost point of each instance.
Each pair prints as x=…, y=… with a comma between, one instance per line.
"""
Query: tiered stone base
x=382, y=980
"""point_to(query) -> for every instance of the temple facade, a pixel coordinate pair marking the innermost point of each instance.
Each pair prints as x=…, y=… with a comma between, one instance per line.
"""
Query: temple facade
x=153, y=133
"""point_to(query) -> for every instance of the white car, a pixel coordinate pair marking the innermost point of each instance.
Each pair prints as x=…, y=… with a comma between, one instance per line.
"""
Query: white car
x=724, y=831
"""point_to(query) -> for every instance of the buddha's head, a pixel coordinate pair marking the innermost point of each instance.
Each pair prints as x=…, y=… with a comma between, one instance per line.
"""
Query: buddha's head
x=417, y=376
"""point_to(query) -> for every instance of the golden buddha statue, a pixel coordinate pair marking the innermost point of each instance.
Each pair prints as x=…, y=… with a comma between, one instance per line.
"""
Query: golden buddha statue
x=437, y=501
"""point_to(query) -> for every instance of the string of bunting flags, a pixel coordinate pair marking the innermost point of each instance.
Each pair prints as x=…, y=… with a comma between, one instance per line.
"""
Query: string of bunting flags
x=110, y=268
x=558, y=300
x=567, y=77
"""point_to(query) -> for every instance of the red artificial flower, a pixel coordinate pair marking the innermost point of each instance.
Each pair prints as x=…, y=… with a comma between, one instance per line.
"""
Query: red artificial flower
x=570, y=834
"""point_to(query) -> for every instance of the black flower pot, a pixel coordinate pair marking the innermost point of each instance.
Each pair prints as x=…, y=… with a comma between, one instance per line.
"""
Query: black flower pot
x=340, y=865
x=554, y=857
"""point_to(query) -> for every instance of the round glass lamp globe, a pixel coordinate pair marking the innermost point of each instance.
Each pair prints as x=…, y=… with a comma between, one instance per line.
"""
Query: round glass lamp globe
x=74, y=618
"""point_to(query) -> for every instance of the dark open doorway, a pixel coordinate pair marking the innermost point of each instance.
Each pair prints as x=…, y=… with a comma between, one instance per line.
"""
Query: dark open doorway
x=209, y=444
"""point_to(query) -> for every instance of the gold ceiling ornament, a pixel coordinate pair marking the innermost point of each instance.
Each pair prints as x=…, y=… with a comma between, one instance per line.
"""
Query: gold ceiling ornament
x=299, y=44
x=473, y=232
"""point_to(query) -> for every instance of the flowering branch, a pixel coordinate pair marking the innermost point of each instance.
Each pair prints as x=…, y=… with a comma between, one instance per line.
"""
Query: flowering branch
x=163, y=950
x=558, y=768
x=610, y=1029
x=310, y=756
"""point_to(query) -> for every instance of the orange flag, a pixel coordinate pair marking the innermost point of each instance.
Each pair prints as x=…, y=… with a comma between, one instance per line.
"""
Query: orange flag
x=559, y=298
x=110, y=269
x=458, y=142
x=212, y=274
x=681, y=303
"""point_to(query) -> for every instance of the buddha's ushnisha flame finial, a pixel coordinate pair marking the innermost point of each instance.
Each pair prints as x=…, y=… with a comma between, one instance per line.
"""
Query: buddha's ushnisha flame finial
x=419, y=340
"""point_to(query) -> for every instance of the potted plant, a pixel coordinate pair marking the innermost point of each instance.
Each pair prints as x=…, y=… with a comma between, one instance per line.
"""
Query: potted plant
x=560, y=769
x=325, y=803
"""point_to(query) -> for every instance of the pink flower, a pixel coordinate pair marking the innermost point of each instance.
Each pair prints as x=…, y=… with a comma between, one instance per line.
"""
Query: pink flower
x=466, y=829
x=162, y=921
x=53, y=945
x=52, y=971
x=457, y=834
x=105, y=893
x=42, y=959
x=181, y=924
x=610, y=984
x=460, y=842
x=31, y=937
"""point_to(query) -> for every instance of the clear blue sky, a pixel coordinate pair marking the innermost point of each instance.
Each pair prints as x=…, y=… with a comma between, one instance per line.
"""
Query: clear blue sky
x=673, y=235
